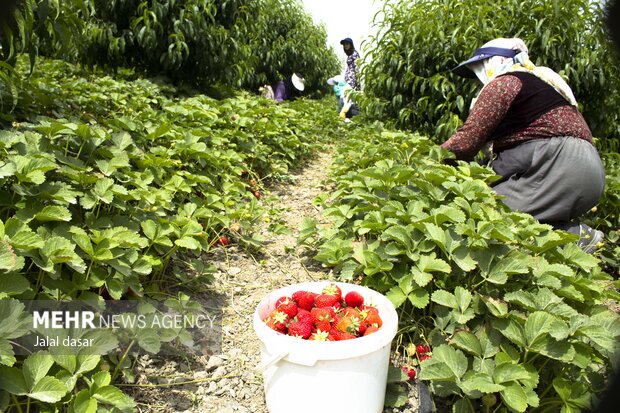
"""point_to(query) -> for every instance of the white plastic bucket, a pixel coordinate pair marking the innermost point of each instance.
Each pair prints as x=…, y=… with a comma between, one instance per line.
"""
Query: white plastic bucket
x=325, y=376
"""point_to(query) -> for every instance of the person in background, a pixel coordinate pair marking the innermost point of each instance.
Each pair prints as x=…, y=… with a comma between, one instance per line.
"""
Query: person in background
x=346, y=108
x=350, y=74
x=541, y=145
x=287, y=89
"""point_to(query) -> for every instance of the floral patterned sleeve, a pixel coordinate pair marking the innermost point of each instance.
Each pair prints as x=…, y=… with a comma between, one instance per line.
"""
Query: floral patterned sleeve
x=486, y=114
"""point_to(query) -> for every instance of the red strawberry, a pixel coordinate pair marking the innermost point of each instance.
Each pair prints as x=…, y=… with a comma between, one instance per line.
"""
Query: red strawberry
x=320, y=314
x=338, y=335
x=422, y=350
x=425, y=357
x=333, y=289
x=362, y=329
x=370, y=330
x=223, y=240
x=276, y=320
x=372, y=317
x=325, y=300
x=323, y=326
x=354, y=299
x=352, y=312
x=300, y=329
x=281, y=300
x=289, y=307
x=256, y=194
x=304, y=315
x=410, y=372
x=304, y=299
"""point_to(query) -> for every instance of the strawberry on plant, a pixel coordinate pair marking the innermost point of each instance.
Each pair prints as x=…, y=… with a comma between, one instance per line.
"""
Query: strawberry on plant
x=410, y=371
x=424, y=357
x=256, y=194
x=354, y=299
x=224, y=240
x=300, y=329
x=288, y=307
x=422, y=349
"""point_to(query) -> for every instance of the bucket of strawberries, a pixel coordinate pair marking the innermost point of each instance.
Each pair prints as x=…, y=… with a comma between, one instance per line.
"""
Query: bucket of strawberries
x=321, y=336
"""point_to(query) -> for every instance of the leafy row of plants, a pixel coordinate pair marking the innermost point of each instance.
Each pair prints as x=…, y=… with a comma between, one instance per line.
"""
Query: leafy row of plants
x=236, y=43
x=407, y=70
x=106, y=183
x=516, y=314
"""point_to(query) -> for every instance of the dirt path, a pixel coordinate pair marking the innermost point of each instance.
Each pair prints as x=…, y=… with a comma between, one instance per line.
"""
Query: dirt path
x=227, y=382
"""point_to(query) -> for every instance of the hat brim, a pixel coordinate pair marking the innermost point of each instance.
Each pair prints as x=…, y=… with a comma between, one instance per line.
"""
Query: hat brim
x=298, y=83
x=482, y=54
x=464, y=71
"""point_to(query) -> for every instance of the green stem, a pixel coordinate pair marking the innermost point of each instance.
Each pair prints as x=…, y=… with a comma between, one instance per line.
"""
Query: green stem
x=120, y=362
x=17, y=404
x=28, y=405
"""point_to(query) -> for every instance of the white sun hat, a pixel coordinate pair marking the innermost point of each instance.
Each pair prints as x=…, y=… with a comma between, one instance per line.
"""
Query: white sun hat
x=298, y=82
x=335, y=80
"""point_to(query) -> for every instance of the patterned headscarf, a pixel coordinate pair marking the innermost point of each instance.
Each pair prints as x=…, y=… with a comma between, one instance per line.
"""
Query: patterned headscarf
x=489, y=68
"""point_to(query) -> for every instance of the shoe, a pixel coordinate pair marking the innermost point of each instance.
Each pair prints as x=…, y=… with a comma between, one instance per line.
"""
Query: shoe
x=590, y=238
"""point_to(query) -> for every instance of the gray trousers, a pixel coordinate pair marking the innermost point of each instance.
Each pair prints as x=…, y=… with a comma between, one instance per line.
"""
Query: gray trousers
x=556, y=179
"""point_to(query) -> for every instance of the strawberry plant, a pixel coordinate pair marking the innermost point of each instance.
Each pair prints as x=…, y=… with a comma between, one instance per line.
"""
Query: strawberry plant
x=510, y=307
x=125, y=180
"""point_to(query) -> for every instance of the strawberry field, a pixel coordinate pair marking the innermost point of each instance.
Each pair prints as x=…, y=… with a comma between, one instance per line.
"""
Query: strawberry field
x=139, y=165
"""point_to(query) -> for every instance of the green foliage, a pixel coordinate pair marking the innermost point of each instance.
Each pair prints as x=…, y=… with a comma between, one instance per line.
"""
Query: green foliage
x=510, y=306
x=284, y=40
x=118, y=182
x=232, y=42
x=408, y=76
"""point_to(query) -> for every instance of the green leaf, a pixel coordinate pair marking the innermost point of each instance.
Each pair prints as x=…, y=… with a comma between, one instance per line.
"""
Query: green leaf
x=115, y=397
x=48, y=390
x=12, y=380
x=463, y=258
x=396, y=296
x=511, y=329
x=444, y=298
x=83, y=403
x=419, y=298
x=481, y=382
x=54, y=213
x=188, y=242
x=508, y=372
x=454, y=359
x=100, y=379
x=66, y=361
x=7, y=355
x=468, y=342
x=514, y=396
x=36, y=367
x=9, y=260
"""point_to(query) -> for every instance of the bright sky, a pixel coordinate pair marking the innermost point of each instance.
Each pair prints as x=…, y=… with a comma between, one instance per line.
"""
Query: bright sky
x=344, y=18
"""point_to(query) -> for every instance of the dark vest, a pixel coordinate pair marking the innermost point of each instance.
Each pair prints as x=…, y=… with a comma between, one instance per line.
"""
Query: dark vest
x=533, y=100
